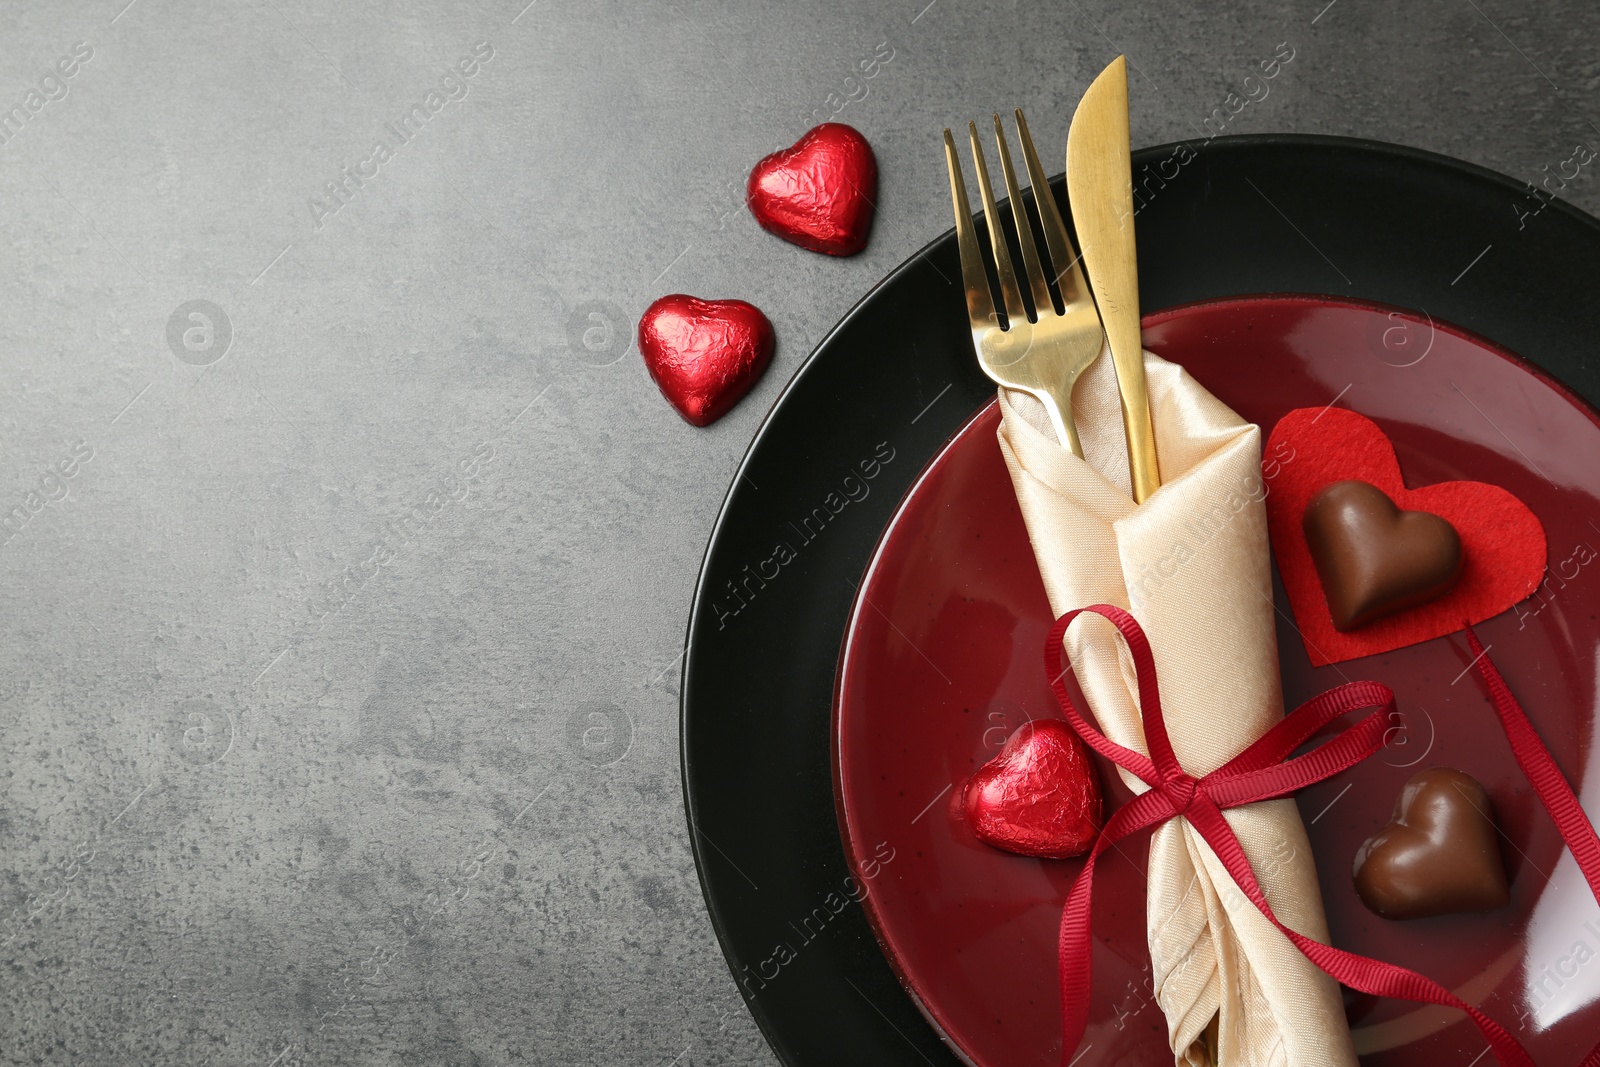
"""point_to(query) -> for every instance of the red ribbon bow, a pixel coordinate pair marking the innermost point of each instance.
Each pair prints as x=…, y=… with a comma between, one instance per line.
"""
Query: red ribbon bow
x=1265, y=771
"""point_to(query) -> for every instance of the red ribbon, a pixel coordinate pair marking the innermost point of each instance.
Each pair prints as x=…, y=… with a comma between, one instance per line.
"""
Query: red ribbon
x=1548, y=781
x=1265, y=771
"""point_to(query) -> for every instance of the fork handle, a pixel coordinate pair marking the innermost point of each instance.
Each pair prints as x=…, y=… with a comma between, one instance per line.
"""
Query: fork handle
x=1062, y=422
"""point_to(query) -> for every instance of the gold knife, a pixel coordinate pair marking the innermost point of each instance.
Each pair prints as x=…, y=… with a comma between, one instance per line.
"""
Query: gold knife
x=1100, y=189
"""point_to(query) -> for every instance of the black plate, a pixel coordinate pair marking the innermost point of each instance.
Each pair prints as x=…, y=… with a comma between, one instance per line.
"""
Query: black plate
x=1244, y=215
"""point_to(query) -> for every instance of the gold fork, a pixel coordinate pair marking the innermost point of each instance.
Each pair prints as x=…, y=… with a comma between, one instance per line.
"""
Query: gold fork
x=1043, y=356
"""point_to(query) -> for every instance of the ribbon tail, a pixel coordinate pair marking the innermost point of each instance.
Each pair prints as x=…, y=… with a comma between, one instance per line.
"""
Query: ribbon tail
x=1074, y=956
x=1548, y=781
x=1074, y=960
x=1357, y=972
x=1540, y=767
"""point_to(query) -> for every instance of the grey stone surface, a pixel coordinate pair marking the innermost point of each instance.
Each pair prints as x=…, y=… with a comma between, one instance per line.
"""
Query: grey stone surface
x=337, y=656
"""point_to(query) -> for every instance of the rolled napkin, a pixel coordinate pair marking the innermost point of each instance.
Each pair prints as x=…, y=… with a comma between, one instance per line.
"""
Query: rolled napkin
x=1192, y=566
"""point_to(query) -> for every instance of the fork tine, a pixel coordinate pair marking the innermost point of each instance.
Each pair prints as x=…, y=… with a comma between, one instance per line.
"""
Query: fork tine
x=980, y=301
x=1031, y=267
x=1015, y=312
x=1063, y=258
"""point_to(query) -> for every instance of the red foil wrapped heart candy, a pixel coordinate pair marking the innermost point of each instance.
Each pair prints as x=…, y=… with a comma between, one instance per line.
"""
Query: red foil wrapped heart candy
x=704, y=354
x=818, y=193
x=1039, y=796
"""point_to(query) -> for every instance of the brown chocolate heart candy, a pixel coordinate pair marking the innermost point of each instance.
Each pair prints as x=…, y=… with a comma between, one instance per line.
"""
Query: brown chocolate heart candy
x=1373, y=558
x=1439, y=854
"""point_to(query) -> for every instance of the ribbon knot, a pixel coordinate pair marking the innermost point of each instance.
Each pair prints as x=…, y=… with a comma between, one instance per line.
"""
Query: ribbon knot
x=1265, y=770
x=1180, y=790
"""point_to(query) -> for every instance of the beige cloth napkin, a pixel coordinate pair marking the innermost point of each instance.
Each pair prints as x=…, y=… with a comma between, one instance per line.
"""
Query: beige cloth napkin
x=1192, y=566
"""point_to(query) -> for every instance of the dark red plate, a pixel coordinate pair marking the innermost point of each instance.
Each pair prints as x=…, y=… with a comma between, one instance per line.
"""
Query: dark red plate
x=942, y=662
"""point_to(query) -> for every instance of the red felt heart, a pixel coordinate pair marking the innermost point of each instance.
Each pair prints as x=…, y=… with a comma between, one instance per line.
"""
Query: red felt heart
x=1502, y=542
x=1039, y=796
x=704, y=354
x=818, y=193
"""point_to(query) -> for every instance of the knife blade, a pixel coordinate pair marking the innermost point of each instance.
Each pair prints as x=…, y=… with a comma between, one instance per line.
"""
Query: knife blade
x=1100, y=190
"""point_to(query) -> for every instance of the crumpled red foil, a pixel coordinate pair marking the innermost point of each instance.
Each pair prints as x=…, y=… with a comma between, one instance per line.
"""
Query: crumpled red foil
x=704, y=354
x=820, y=192
x=1039, y=797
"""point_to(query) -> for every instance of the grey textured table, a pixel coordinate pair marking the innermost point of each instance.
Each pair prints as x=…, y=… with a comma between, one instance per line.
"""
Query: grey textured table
x=346, y=545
